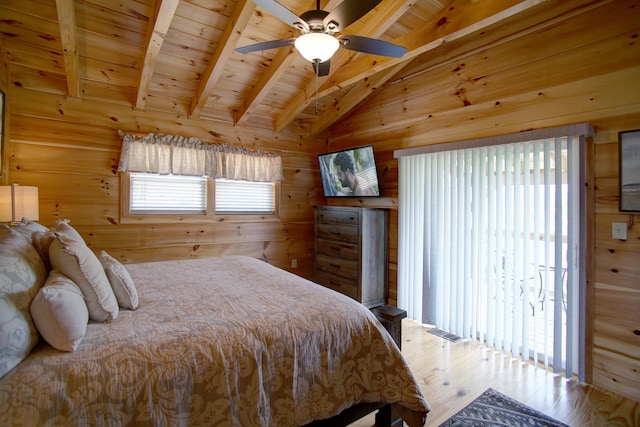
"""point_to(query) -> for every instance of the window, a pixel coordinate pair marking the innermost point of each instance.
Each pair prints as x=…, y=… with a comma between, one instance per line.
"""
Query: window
x=167, y=194
x=165, y=198
x=244, y=197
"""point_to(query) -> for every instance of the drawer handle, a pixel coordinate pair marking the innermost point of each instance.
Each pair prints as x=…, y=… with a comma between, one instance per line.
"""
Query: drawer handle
x=334, y=248
x=335, y=233
x=334, y=265
x=334, y=283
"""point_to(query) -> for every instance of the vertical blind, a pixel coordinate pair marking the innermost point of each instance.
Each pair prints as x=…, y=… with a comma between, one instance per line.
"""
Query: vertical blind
x=488, y=245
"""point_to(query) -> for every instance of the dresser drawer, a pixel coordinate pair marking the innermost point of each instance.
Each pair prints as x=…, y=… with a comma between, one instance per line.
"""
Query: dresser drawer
x=338, y=217
x=340, y=233
x=338, y=266
x=339, y=284
x=337, y=249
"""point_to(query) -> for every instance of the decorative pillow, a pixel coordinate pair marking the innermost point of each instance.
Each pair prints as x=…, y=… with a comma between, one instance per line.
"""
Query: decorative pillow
x=62, y=226
x=74, y=259
x=27, y=227
x=22, y=274
x=60, y=313
x=42, y=240
x=121, y=281
x=43, y=237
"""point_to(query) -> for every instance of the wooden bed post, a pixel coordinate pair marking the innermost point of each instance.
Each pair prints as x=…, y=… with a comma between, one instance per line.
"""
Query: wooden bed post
x=391, y=318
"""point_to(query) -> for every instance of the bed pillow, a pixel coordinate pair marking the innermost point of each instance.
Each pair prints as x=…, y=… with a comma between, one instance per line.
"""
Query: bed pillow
x=75, y=260
x=26, y=227
x=42, y=241
x=43, y=238
x=62, y=226
x=121, y=282
x=22, y=274
x=60, y=313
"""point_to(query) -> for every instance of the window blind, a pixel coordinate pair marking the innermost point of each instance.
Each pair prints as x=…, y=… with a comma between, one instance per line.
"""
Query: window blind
x=244, y=197
x=166, y=194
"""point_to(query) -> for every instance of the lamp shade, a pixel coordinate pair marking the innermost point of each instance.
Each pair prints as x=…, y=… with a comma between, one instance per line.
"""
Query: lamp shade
x=18, y=201
x=317, y=46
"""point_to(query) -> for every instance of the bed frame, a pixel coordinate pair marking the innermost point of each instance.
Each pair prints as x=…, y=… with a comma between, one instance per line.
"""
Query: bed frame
x=391, y=318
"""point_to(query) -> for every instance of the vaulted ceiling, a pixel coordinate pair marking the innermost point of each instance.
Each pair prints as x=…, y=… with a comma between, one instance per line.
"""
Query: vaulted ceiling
x=178, y=55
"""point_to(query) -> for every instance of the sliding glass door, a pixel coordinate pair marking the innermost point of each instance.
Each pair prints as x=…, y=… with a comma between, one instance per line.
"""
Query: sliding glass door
x=489, y=245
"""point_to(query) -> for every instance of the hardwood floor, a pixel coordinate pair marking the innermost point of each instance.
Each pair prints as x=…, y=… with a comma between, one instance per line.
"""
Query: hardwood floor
x=451, y=375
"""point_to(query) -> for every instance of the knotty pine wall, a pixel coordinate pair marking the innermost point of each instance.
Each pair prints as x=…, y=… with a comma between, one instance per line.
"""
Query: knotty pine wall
x=4, y=130
x=70, y=149
x=520, y=76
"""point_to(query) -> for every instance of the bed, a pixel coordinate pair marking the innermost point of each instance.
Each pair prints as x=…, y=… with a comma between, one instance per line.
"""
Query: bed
x=228, y=341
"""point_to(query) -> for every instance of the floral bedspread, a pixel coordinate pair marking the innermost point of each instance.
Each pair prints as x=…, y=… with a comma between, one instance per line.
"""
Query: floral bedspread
x=229, y=341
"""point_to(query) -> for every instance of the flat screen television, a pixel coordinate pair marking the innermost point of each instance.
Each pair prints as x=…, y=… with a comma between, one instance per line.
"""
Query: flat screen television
x=349, y=173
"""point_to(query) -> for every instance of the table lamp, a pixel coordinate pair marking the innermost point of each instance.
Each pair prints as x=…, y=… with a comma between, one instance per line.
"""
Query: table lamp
x=18, y=201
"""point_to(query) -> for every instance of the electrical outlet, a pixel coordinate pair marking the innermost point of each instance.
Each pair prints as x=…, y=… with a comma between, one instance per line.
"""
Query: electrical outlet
x=294, y=263
x=619, y=230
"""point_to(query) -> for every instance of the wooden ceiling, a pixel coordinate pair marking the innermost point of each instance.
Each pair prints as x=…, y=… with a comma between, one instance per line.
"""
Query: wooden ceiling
x=178, y=55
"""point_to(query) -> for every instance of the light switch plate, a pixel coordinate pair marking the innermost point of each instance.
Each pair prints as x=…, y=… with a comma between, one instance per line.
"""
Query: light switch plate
x=619, y=230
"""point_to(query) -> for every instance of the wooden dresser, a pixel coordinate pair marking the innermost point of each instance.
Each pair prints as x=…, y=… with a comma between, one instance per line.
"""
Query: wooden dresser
x=351, y=252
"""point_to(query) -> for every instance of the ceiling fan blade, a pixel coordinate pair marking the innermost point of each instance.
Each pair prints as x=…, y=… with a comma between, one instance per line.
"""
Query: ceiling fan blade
x=282, y=13
x=348, y=12
x=373, y=46
x=265, y=45
x=321, y=68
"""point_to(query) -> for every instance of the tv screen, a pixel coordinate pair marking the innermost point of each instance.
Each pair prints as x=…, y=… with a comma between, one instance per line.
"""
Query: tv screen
x=349, y=173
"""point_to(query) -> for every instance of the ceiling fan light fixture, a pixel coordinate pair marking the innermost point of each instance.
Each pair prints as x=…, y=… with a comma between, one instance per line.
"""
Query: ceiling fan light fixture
x=317, y=47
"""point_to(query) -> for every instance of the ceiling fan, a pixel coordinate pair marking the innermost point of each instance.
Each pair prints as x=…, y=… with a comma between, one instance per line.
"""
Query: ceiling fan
x=319, y=41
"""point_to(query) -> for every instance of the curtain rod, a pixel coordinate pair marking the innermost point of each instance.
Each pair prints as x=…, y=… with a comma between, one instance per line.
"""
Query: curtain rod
x=584, y=129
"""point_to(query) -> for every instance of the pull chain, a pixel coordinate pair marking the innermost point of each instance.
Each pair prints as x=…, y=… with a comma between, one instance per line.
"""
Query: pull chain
x=317, y=67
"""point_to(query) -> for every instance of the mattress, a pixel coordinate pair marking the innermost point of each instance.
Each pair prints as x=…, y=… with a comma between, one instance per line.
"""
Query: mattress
x=228, y=341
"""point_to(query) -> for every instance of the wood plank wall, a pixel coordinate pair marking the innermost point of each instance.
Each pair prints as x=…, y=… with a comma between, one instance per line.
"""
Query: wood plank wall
x=578, y=67
x=70, y=149
x=4, y=129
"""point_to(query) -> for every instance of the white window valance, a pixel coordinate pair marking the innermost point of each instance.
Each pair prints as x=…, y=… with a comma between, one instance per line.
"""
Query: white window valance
x=179, y=155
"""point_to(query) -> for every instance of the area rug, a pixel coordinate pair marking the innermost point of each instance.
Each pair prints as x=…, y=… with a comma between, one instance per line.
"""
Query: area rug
x=493, y=408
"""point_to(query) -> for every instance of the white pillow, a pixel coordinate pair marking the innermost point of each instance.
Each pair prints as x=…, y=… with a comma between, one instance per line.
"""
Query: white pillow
x=22, y=273
x=60, y=313
x=75, y=260
x=62, y=226
x=42, y=240
x=26, y=227
x=121, y=281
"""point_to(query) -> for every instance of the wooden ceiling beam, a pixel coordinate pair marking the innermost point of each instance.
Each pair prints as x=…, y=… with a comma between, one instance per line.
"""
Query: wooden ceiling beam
x=355, y=96
x=270, y=77
x=460, y=19
x=463, y=19
x=265, y=83
x=164, y=17
x=235, y=25
x=67, y=23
